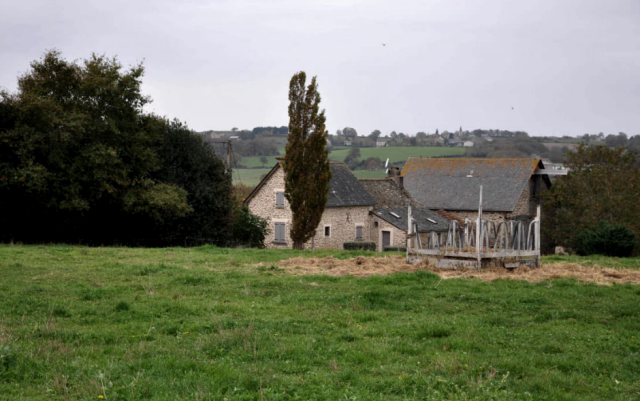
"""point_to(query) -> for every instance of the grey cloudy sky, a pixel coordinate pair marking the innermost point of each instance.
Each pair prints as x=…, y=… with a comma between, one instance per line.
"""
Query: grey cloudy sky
x=548, y=67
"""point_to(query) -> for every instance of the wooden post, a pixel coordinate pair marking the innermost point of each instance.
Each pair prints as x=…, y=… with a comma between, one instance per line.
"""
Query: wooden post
x=537, y=234
x=229, y=156
x=409, y=231
x=479, y=232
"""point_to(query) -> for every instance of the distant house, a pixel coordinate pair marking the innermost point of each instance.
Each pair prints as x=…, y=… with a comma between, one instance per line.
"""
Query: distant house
x=467, y=144
x=511, y=187
x=345, y=218
x=381, y=144
x=389, y=218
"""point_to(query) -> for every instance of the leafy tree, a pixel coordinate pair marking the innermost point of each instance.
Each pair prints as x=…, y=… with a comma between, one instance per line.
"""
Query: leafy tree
x=249, y=229
x=616, y=140
x=603, y=186
x=375, y=134
x=634, y=143
x=190, y=163
x=263, y=160
x=350, y=133
x=78, y=157
x=306, y=161
x=353, y=158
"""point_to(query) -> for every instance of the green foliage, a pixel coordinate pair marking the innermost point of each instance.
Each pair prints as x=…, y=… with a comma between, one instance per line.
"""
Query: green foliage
x=249, y=229
x=606, y=239
x=306, y=162
x=602, y=187
x=359, y=245
x=190, y=163
x=82, y=162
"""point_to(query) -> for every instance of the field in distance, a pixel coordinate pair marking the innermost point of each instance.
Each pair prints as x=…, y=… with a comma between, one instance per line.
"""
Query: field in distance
x=214, y=323
x=256, y=168
x=395, y=154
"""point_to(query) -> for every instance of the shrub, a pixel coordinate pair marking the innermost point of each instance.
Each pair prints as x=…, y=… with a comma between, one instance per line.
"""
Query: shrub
x=395, y=249
x=359, y=245
x=249, y=229
x=607, y=239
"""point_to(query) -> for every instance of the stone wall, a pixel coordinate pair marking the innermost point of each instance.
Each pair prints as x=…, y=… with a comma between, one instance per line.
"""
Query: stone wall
x=263, y=204
x=342, y=222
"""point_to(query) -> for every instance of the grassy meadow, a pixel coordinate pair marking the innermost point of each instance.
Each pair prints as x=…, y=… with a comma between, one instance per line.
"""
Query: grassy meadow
x=251, y=175
x=397, y=154
x=207, y=323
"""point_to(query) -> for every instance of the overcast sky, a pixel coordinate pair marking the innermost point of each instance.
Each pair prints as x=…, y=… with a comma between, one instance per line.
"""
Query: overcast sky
x=548, y=67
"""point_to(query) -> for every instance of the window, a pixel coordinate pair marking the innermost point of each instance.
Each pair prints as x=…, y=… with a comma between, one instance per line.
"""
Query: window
x=327, y=231
x=279, y=199
x=358, y=233
x=279, y=232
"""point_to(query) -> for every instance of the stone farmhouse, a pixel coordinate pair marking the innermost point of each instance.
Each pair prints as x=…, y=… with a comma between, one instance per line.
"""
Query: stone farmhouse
x=345, y=219
x=375, y=210
x=511, y=187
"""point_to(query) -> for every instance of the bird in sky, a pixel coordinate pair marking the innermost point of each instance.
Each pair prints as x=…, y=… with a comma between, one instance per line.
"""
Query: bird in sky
x=384, y=44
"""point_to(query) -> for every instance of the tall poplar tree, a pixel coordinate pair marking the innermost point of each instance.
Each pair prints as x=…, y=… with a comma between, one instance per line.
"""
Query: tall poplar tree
x=306, y=160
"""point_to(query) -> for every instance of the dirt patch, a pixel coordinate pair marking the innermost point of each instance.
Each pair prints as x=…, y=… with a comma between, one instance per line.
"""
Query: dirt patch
x=362, y=266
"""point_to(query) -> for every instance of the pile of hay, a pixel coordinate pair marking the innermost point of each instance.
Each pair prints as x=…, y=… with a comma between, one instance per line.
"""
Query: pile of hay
x=362, y=266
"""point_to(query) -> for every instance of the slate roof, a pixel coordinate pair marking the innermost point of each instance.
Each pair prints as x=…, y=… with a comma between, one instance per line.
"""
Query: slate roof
x=454, y=184
x=387, y=193
x=420, y=215
x=345, y=189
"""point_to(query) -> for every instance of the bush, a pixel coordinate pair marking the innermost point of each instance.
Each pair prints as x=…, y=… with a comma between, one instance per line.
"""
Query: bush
x=607, y=239
x=395, y=249
x=359, y=245
x=249, y=229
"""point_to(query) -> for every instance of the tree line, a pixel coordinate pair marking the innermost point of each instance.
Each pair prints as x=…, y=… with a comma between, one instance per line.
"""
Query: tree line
x=81, y=162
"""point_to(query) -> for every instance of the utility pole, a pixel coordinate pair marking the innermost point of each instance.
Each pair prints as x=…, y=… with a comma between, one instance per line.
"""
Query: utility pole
x=229, y=156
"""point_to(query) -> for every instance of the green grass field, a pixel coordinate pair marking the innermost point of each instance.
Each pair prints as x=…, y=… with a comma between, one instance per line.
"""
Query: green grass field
x=254, y=161
x=249, y=176
x=397, y=154
x=205, y=323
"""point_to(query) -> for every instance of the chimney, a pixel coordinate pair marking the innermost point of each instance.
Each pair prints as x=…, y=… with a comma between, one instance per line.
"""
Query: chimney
x=394, y=174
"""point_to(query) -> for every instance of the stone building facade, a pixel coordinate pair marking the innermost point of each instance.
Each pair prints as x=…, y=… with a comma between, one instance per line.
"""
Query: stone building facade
x=345, y=218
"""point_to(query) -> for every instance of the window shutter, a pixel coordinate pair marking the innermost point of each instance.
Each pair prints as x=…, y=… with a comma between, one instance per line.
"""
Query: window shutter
x=279, y=198
x=279, y=232
x=359, y=233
